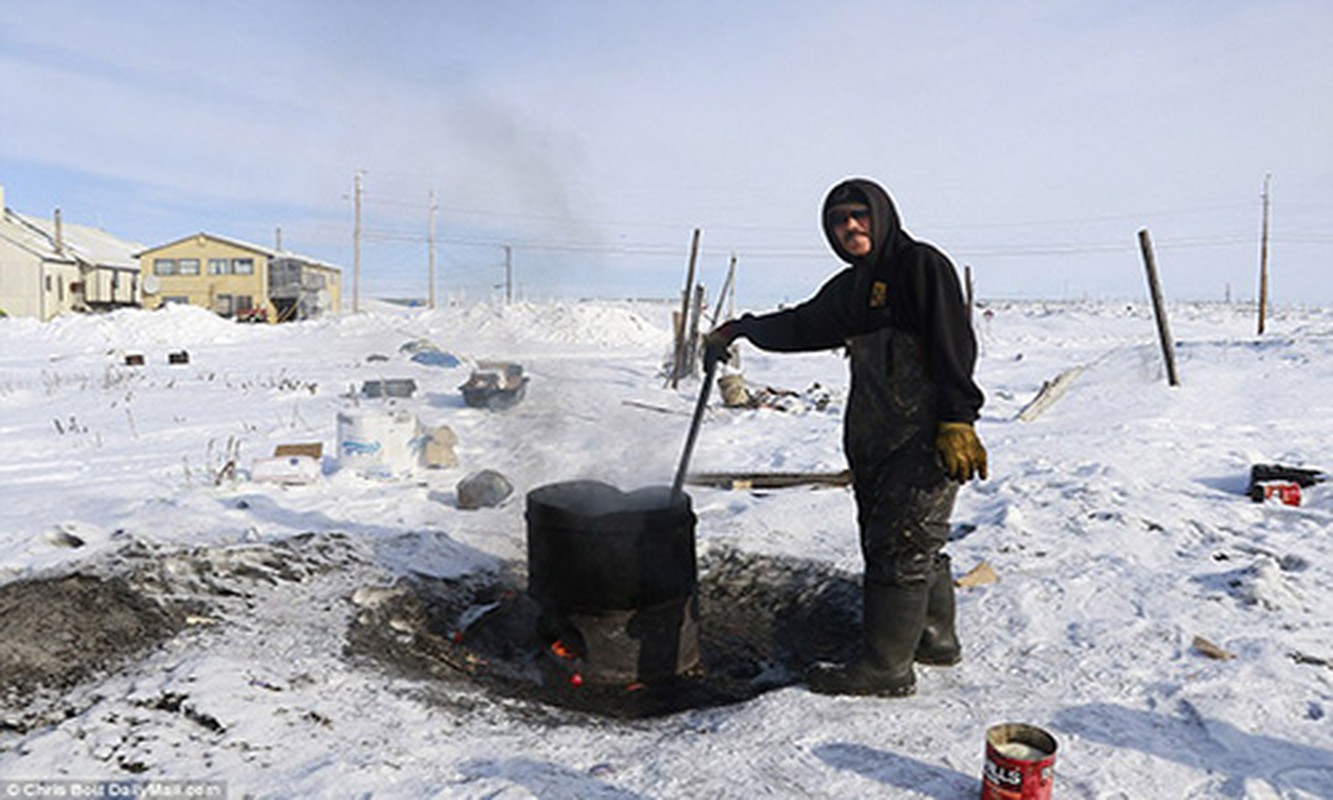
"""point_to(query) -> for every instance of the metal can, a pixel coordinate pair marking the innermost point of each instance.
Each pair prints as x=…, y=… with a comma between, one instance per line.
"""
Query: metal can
x=1020, y=762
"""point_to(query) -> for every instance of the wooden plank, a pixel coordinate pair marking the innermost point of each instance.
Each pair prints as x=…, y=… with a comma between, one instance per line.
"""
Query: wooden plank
x=1050, y=392
x=1211, y=650
x=314, y=449
x=651, y=407
x=769, y=480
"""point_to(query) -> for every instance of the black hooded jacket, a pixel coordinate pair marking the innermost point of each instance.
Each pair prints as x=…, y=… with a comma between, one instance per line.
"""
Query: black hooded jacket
x=901, y=284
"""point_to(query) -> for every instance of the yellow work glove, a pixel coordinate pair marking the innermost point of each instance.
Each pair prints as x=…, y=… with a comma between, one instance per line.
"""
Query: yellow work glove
x=961, y=450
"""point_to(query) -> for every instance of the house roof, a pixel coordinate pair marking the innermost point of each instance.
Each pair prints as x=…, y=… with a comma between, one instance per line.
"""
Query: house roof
x=81, y=242
x=244, y=245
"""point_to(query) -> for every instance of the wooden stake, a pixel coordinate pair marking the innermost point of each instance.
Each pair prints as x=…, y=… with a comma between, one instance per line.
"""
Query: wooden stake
x=678, y=366
x=731, y=313
x=968, y=297
x=726, y=287
x=1155, y=289
x=692, y=352
x=731, y=298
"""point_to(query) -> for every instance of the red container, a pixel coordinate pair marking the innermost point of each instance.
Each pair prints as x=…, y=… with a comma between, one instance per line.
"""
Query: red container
x=1287, y=492
x=1020, y=760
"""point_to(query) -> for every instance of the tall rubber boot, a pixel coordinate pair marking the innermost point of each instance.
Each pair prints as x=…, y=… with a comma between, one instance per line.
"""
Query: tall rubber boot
x=939, y=639
x=894, y=617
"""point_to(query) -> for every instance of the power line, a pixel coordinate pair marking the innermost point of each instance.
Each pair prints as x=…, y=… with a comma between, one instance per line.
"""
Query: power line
x=777, y=252
x=678, y=225
x=1118, y=217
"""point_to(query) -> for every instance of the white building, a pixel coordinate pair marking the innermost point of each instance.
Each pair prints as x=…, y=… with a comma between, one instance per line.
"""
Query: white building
x=49, y=267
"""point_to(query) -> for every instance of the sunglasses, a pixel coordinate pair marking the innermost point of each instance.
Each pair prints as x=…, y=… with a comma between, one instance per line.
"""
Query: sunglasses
x=840, y=216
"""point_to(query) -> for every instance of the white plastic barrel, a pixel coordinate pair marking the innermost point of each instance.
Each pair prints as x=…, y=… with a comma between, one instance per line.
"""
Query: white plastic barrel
x=379, y=442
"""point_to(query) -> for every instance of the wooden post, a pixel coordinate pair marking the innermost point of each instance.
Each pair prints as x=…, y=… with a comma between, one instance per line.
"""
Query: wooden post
x=1155, y=288
x=968, y=297
x=678, y=366
x=731, y=298
x=731, y=310
x=677, y=331
x=692, y=346
x=1263, y=261
x=726, y=286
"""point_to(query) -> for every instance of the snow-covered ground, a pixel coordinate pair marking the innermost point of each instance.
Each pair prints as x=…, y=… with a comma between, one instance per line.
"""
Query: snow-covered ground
x=1116, y=522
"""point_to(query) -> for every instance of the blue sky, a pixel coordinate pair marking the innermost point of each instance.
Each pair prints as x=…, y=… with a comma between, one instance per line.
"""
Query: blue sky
x=1029, y=140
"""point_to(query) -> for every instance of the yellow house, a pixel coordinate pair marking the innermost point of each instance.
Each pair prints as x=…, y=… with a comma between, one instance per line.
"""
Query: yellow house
x=238, y=279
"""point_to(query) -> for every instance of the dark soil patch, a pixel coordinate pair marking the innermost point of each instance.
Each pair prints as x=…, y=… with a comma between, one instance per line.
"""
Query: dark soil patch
x=58, y=632
x=763, y=621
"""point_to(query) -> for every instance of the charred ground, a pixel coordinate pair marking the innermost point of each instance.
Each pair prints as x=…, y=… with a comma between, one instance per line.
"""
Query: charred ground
x=763, y=620
x=475, y=640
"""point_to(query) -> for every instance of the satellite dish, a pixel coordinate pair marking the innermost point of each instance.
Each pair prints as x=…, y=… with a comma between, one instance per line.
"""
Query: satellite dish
x=151, y=284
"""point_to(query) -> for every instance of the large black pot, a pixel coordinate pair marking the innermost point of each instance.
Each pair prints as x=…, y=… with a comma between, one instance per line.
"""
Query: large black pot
x=594, y=547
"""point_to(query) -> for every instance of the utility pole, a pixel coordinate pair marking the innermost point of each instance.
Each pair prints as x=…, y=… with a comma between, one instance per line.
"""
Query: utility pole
x=509, y=274
x=356, y=245
x=1263, y=259
x=432, y=250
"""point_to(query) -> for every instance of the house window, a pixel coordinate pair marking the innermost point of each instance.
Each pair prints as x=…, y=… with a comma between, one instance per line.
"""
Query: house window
x=49, y=284
x=188, y=266
x=243, y=266
x=222, y=305
x=217, y=266
x=164, y=266
x=243, y=302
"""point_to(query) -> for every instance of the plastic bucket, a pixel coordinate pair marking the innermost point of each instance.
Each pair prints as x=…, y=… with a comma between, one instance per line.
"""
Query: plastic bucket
x=1020, y=762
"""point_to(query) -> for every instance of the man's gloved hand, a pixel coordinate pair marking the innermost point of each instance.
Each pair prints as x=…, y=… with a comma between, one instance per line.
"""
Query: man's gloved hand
x=717, y=342
x=961, y=450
